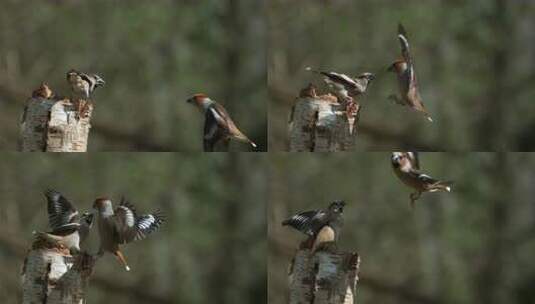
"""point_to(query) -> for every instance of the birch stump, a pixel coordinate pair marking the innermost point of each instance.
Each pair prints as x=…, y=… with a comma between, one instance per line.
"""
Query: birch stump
x=52, y=275
x=321, y=124
x=55, y=125
x=323, y=277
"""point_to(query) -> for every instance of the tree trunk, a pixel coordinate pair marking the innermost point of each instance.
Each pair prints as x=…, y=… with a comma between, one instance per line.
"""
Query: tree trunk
x=320, y=124
x=323, y=277
x=51, y=275
x=55, y=125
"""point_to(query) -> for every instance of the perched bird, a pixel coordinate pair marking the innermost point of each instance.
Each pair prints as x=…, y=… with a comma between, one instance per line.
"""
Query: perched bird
x=322, y=226
x=83, y=85
x=407, y=170
x=344, y=86
x=43, y=91
x=346, y=89
x=218, y=126
x=407, y=83
x=122, y=225
x=69, y=229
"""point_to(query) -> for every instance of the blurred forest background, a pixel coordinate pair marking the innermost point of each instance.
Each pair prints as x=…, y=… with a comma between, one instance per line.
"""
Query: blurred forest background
x=152, y=55
x=474, y=62
x=213, y=245
x=474, y=245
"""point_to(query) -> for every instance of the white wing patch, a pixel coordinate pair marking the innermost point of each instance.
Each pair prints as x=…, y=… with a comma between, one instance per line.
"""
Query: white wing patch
x=217, y=115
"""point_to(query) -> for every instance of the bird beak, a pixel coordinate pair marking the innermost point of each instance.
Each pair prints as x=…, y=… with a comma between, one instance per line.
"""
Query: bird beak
x=390, y=68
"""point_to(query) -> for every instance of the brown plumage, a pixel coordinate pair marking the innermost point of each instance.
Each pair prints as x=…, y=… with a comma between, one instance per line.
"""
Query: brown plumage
x=404, y=166
x=122, y=226
x=309, y=91
x=322, y=226
x=408, y=85
x=218, y=126
x=43, y=91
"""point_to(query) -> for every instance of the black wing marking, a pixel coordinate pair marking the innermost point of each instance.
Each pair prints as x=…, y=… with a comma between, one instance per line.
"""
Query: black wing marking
x=212, y=131
x=426, y=178
x=340, y=78
x=131, y=227
x=60, y=211
x=309, y=222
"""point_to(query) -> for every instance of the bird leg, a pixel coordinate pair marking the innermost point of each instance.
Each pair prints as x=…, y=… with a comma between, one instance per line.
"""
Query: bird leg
x=121, y=259
x=84, y=112
x=415, y=196
x=352, y=109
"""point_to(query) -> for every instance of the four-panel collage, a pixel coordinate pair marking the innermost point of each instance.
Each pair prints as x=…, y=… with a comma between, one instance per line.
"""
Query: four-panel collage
x=422, y=109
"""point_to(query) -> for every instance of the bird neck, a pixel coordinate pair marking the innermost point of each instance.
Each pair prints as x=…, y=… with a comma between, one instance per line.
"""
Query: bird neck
x=206, y=103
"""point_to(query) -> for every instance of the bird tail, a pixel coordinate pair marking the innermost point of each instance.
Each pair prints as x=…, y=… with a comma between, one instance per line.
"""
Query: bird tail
x=442, y=186
x=241, y=137
x=121, y=259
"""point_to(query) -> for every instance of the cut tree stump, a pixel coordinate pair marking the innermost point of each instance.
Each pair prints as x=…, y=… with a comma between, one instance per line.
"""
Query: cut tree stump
x=320, y=124
x=52, y=275
x=55, y=125
x=323, y=277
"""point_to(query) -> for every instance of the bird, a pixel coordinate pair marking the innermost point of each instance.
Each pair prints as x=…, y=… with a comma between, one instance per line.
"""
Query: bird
x=69, y=229
x=321, y=226
x=406, y=77
x=43, y=91
x=407, y=170
x=218, y=126
x=345, y=87
x=83, y=85
x=122, y=226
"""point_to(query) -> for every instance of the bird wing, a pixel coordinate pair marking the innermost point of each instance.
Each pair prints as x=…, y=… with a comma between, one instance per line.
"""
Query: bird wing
x=405, y=53
x=224, y=121
x=415, y=160
x=425, y=178
x=60, y=211
x=342, y=79
x=131, y=227
x=308, y=222
x=413, y=93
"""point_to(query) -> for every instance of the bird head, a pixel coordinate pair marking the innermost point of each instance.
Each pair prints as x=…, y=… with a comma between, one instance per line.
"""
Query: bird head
x=398, y=66
x=72, y=73
x=337, y=206
x=367, y=76
x=200, y=100
x=396, y=159
x=103, y=205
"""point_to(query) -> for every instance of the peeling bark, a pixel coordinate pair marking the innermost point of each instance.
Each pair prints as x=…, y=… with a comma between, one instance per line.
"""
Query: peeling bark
x=320, y=124
x=323, y=277
x=55, y=125
x=52, y=275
